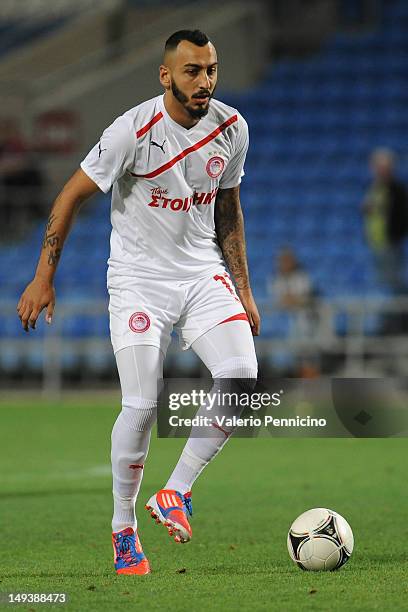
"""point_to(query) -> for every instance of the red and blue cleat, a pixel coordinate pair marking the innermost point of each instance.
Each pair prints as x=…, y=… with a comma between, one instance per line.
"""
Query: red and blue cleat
x=171, y=508
x=128, y=554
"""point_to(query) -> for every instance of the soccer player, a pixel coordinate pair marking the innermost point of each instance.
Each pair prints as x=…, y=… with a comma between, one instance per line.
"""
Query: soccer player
x=175, y=163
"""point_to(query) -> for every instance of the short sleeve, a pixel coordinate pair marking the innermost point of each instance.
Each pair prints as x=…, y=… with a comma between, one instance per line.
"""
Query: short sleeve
x=235, y=167
x=109, y=159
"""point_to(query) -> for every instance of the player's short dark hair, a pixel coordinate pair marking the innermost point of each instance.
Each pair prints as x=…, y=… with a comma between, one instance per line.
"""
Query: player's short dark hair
x=194, y=36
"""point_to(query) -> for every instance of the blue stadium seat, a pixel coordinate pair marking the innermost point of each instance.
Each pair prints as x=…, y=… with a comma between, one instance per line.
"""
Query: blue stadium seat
x=14, y=34
x=313, y=123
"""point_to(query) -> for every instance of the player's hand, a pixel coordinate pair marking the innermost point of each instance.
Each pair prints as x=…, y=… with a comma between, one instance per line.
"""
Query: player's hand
x=251, y=309
x=38, y=294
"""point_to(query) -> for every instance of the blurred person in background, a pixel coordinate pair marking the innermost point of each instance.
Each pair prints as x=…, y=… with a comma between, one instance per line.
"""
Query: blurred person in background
x=293, y=296
x=385, y=210
x=21, y=182
x=292, y=291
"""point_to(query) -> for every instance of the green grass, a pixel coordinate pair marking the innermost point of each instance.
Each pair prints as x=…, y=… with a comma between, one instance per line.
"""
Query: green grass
x=55, y=512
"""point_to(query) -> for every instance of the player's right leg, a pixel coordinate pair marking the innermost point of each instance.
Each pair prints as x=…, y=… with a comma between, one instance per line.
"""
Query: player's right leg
x=142, y=314
x=140, y=368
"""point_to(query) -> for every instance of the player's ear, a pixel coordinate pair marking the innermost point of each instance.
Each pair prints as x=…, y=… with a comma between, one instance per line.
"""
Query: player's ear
x=165, y=77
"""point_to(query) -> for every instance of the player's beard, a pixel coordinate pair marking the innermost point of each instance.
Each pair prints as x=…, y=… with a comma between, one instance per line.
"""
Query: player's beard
x=195, y=113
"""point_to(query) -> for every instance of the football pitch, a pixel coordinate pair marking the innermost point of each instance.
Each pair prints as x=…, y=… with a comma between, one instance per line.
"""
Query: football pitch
x=55, y=496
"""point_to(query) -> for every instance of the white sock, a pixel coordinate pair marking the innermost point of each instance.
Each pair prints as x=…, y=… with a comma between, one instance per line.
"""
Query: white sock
x=187, y=470
x=197, y=453
x=130, y=445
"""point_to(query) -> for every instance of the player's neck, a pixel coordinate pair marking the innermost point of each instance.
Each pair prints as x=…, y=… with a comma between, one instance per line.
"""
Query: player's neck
x=177, y=112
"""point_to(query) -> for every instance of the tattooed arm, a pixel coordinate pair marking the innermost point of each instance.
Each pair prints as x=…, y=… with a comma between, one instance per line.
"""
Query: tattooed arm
x=229, y=227
x=40, y=293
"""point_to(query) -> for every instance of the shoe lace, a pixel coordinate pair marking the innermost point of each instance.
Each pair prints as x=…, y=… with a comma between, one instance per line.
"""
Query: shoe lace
x=188, y=503
x=127, y=548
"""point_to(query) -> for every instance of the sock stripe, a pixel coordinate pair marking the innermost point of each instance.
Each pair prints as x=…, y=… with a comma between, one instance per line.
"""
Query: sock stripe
x=226, y=434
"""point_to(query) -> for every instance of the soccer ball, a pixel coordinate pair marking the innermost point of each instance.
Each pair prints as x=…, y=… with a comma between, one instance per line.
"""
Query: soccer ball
x=320, y=539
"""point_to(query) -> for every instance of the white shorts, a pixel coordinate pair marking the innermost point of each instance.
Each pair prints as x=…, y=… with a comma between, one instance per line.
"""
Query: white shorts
x=146, y=311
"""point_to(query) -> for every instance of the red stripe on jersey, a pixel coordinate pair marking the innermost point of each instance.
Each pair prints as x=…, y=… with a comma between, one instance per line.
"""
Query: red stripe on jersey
x=242, y=316
x=147, y=127
x=189, y=150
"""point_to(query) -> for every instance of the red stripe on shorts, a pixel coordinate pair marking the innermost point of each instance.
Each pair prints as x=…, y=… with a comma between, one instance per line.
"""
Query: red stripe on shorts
x=242, y=316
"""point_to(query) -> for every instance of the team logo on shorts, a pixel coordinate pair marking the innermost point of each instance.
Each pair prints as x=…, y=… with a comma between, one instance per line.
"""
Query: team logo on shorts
x=215, y=166
x=139, y=322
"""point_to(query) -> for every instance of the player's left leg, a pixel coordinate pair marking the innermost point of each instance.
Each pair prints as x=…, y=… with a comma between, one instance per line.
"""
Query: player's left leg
x=142, y=315
x=229, y=353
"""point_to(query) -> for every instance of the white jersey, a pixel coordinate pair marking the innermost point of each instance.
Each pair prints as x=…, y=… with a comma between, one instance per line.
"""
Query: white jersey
x=165, y=179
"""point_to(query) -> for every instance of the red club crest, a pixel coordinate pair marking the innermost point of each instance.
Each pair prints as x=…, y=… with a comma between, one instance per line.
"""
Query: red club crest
x=215, y=166
x=139, y=322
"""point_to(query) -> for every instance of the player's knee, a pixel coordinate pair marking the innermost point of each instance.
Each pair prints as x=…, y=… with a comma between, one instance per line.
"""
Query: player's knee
x=139, y=414
x=242, y=370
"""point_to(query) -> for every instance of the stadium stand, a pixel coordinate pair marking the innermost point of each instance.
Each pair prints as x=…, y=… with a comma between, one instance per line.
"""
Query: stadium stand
x=15, y=34
x=313, y=123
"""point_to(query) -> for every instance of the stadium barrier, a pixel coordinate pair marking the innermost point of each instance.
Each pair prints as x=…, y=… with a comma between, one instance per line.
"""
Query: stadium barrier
x=367, y=336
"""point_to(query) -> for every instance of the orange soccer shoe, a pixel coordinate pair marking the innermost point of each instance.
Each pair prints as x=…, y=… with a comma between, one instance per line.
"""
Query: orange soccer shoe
x=128, y=554
x=170, y=508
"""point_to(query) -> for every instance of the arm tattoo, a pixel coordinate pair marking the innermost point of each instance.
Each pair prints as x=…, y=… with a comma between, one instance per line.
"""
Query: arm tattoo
x=52, y=240
x=229, y=227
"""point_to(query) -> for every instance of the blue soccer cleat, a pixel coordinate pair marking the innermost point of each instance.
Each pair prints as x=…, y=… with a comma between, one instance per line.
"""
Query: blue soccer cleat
x=128, y=554
x=171, y=508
